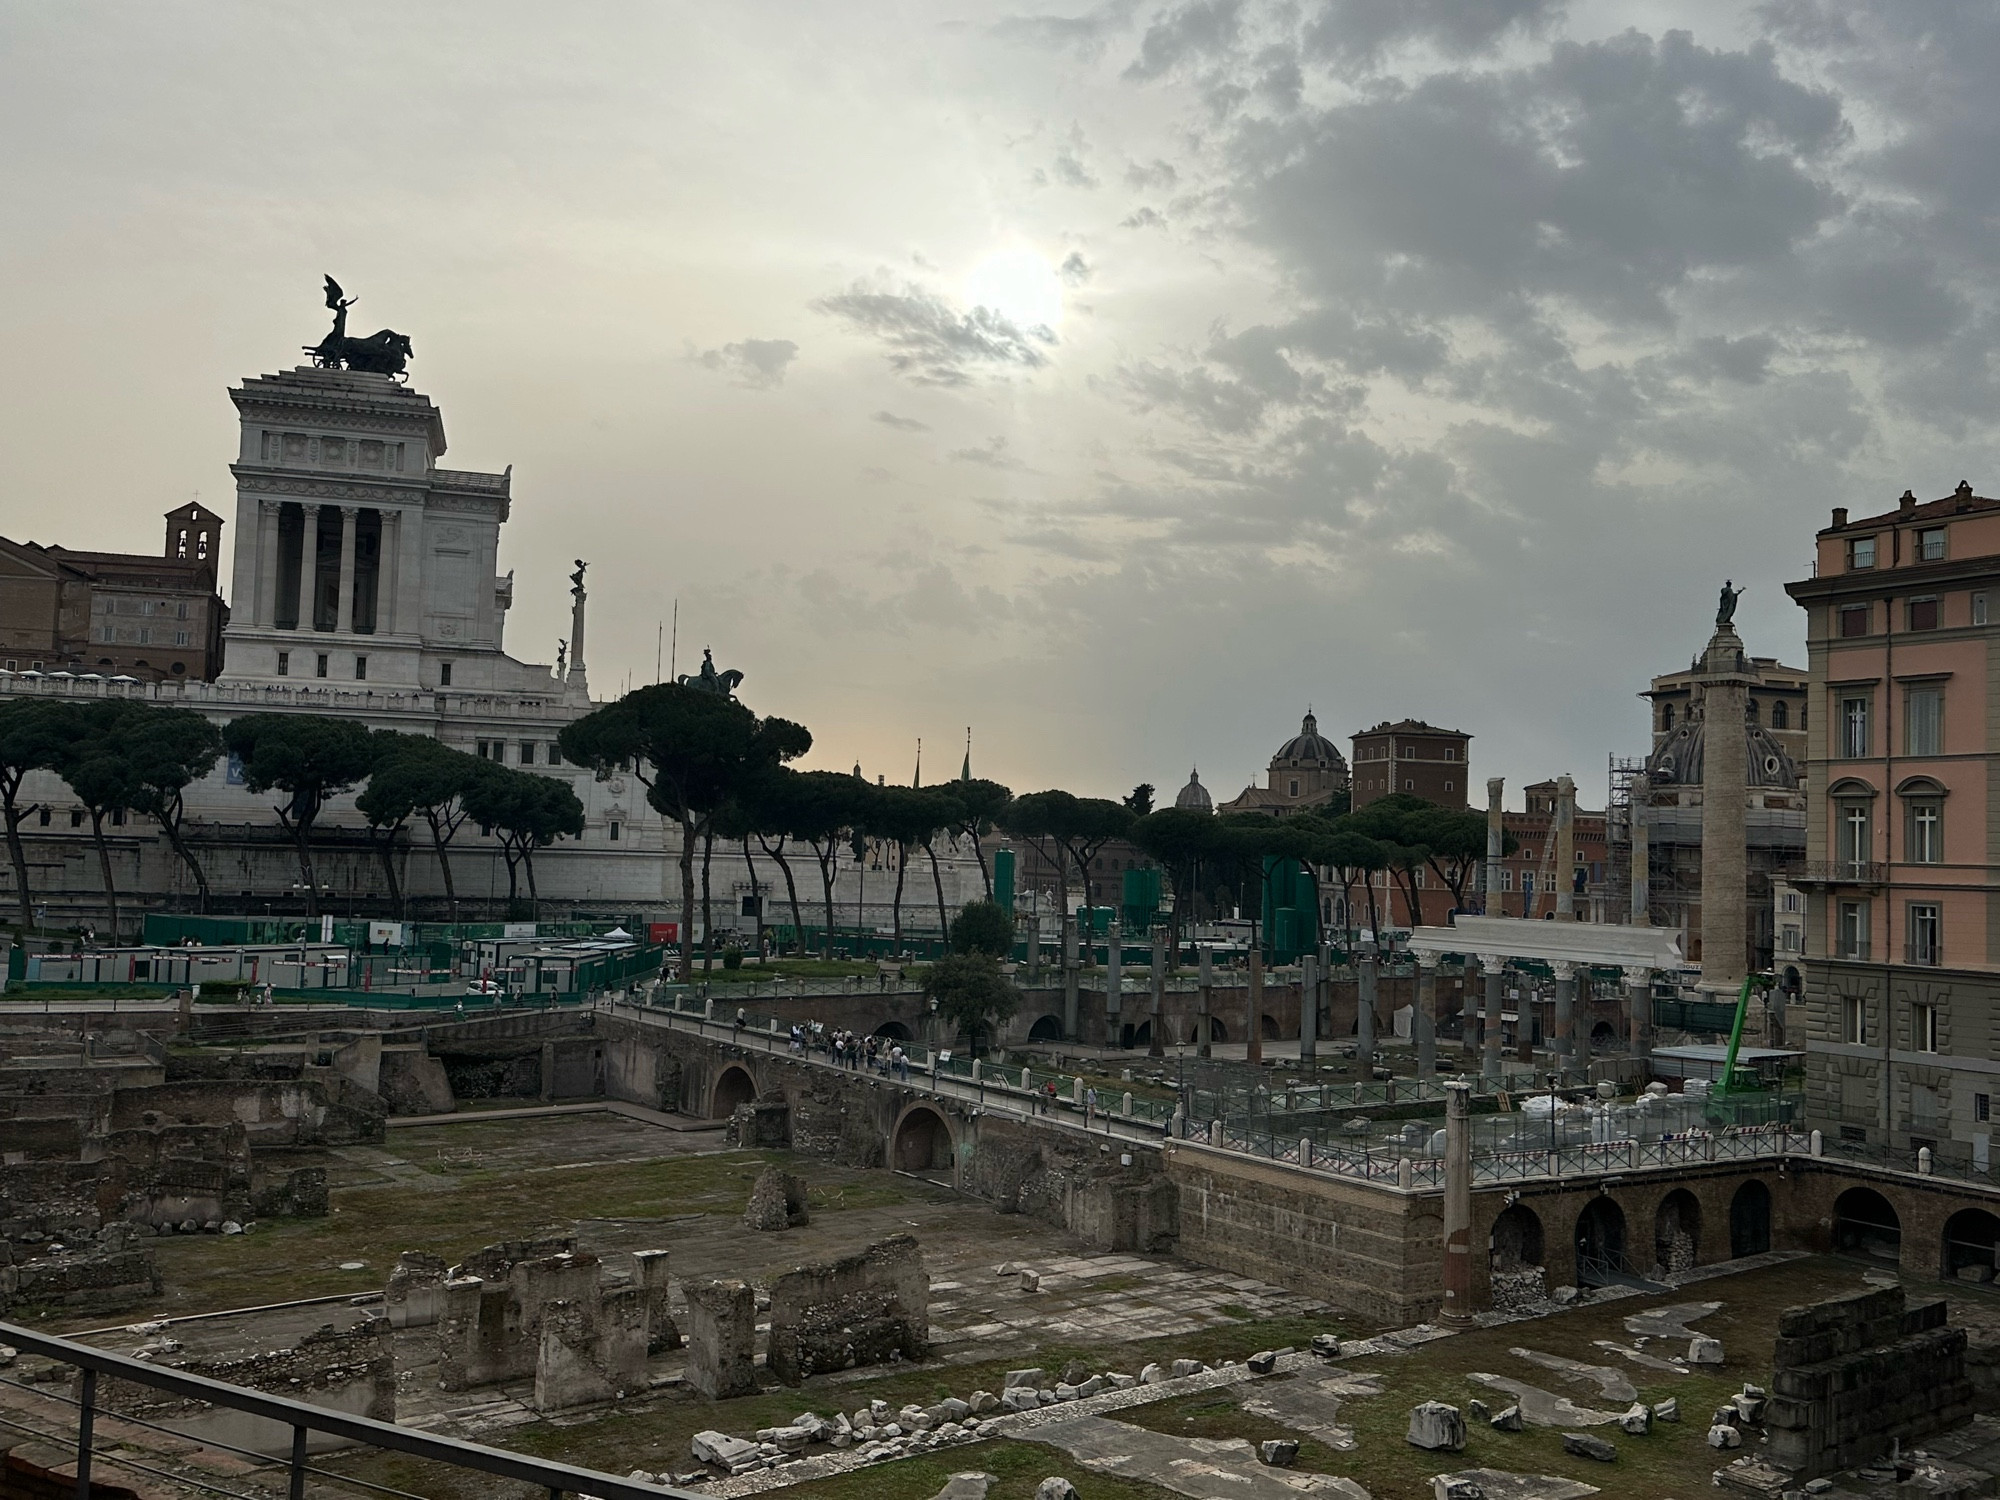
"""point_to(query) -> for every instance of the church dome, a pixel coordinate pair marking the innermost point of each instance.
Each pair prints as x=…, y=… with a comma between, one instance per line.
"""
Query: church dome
x=1194, y=796
x=1310, y=748
x=1678, y=760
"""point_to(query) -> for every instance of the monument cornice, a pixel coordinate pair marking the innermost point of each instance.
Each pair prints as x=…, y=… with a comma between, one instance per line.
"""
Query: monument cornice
x=256, y=481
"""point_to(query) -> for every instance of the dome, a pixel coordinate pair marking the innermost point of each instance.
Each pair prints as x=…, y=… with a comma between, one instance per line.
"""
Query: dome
x=1309, y=748
x=1194, y=796
x=1678, y=761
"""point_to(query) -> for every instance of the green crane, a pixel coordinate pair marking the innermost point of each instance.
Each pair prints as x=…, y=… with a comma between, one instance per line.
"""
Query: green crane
x=1731, y=1084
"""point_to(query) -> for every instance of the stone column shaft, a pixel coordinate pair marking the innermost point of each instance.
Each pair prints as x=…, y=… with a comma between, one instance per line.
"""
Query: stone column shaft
x=1564, y=1040
x=1457, y=1204
x=1069, y=967
x=1496, y=827
x=308, y=610
x=267, y=562
x=1639, y=1011
x=1423, y=1020
x=1308, y=1008
x=1642, y=867
x=1253, y=1050
x=1724, y=941
x=1493, y=967
x=343, y=619
x=1205, y=978
x=1157, y=1021
x=1114, y=984
x=1364, y=1014
x=1565, y=848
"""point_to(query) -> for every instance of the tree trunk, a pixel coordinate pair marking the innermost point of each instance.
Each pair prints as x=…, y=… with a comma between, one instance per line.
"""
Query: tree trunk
x=791, y=891
x=687, y=898
x=528, y=864
x=829, y=865
x=12, y=814
x=902, y=850
x=1409, y=880
x=508, y=852
x=170, y=826
x=979, y=853
x=756, y=897
x=707, y=910
x=385, y=845
x=937, y=879
x=302, y=836
x=444, y=865
x=104, y=868
x=1089, y=926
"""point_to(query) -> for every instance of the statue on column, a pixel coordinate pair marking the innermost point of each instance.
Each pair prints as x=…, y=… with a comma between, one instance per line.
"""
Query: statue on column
x=1725, y=609
x=562, y=658
x=576, y=578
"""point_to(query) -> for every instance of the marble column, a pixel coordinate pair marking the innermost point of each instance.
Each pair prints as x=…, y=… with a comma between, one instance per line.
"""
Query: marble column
x=1204, y=1001
x=1423, y=1018
x=1114, y=986
x=1565, y=848
x=1564, y=1040
x=1457, y=1205
x=388, y=569
x=309, y=568
x=1253, y=1050
x=267, y=563
x=1364, y=1014
x=1033, y=927
x=1639, y=1012
x=1580, y=1028
x=1308, y=1009
x=1069, y=968
x=1493, y=967
x=1157, y=1020
x=343, y=619
x=1496, y=835
x=1642, y=863
x=1724, y=777
x=410, y=572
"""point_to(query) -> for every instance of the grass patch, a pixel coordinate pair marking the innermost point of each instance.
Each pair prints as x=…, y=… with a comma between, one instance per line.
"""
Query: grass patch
x=1216, y=1414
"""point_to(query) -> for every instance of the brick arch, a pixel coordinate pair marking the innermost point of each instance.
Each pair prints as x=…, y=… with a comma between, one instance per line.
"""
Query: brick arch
x=1677, y=1232
x=734, y=1085
x=923, y=1140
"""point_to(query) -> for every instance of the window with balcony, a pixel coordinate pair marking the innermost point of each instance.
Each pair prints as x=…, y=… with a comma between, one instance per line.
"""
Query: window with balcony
x=1930, y=544
x=1861, y=552
x=1923, y=834
x=1854, y=728
x=1851, y=931
x=1854, y=1020
x=1924, y=613
x=1925, y=933
x=1854, y=619
x=1923, y=721
x=1924, y=1028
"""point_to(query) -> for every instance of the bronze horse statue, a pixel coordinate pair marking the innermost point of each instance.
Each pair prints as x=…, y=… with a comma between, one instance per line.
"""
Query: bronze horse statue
x=383, y=353
x=708, y=680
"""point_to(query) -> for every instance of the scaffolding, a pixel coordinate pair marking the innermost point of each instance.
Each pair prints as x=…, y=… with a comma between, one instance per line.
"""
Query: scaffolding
x=1625, y=771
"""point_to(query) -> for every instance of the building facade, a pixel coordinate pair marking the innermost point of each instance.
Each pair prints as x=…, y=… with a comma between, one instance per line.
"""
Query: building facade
x=1411, y=756
x=1902, y=872
x=1526, y=881
x=157, y=618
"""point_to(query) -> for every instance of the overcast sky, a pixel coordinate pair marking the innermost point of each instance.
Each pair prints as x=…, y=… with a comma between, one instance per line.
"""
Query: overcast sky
x=1117, y=381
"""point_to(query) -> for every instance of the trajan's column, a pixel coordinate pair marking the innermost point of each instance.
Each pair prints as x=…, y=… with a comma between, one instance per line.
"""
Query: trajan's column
x=1725, y=683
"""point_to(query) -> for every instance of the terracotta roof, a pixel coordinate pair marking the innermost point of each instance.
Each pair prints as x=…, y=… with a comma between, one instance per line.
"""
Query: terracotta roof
x=1960, y=502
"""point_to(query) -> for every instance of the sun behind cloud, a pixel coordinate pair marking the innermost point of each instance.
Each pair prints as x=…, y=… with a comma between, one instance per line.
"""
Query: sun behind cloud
x=1018, y=284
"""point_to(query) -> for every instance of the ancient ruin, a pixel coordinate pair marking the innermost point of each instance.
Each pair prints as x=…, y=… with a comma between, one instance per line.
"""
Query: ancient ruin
x=865, y=1309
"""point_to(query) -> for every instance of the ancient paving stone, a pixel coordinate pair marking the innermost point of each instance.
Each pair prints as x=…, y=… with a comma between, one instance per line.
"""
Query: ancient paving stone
x=1670, y=1322
x=1542, y=1408
x=1610, y=1382
x=1641, y=1357
x=1500, y=1484
x=1200, y=1468
x=1306, y=1406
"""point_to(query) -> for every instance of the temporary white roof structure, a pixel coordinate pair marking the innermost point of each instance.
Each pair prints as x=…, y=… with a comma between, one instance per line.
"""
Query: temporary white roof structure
x=1594, y=944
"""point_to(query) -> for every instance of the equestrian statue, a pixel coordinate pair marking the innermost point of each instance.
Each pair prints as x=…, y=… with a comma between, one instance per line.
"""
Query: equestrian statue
x=384, y=353
x=708, y=680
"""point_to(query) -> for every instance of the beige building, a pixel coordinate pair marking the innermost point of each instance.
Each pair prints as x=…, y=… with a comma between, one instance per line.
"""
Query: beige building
x=157, y=618
x=1902, y=875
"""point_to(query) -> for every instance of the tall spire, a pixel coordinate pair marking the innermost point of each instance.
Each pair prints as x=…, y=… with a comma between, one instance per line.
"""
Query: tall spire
x=918, y=778
x=965, y=770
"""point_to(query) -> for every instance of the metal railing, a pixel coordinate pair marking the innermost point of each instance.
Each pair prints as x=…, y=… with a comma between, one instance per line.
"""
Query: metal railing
x=554, y=1479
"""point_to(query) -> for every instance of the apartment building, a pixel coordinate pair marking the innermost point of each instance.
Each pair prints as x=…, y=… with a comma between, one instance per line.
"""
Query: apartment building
x=1902, y=872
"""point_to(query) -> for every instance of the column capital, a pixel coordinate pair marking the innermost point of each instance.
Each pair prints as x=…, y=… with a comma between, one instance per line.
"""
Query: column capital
x=1426, y=960
x=1492, y=962
x=1562, y=968
x=1638, y=976
x=349, y=512
x=266, y=505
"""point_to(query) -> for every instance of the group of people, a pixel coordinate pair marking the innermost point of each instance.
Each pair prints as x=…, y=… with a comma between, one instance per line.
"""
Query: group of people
x=849, y=1049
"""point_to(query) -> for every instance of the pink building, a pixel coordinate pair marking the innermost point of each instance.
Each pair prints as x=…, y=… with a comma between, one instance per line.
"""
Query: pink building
x=1902, y=873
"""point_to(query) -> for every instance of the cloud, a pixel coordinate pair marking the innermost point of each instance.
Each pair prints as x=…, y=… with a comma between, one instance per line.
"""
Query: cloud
x=1352, y=33
x=1198, y=31
x=992, y=454
x=757, y=364
x=1144, y=218
x=1069, y=167
x=1081, y=36
x=1158, y=173
x=931, y=341
x=901, y=424
x=1074, y=270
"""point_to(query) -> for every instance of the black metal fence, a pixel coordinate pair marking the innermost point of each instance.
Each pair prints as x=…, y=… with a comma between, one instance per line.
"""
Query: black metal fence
x=556, y=1480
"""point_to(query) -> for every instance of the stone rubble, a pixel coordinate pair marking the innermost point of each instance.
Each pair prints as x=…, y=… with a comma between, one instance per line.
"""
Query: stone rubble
x=1437, y=1425
x=1587, y=1445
